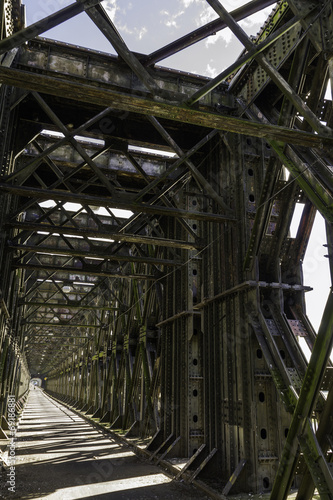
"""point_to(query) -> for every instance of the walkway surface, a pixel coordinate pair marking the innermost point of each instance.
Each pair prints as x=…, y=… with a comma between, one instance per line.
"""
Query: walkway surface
x=60, y=456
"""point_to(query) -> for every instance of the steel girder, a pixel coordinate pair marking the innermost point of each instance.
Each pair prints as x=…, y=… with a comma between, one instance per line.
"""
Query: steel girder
x=182, y=320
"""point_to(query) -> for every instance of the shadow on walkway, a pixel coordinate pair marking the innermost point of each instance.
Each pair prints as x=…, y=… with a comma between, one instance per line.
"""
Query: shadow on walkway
x=60, y=456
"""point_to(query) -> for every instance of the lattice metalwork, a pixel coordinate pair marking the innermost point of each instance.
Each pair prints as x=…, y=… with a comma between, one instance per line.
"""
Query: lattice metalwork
x=148, y=272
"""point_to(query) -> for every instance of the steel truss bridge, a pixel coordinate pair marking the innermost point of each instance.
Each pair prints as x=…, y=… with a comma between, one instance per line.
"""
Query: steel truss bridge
x=148, y=275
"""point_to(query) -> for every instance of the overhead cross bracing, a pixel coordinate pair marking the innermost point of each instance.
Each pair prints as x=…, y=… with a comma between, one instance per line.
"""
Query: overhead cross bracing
x=148, y=271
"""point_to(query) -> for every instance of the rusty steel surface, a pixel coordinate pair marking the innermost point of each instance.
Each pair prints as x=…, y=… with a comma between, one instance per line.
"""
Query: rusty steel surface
x=148, y=272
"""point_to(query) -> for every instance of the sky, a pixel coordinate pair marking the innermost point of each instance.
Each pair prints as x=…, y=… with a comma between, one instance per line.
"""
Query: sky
x=148, y=25
x=316, y=271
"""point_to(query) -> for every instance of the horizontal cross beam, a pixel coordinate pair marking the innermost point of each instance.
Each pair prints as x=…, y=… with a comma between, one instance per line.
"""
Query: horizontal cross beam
x=67, y=305
x=45, y=194
x=107, y=96
x=48, y=343
x=90, y=253
x=84, y=270
x=127, y=238
x=60, y=325
x=43, y=335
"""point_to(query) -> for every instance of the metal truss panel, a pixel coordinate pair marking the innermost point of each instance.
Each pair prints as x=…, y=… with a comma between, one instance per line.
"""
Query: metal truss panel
x=160, y=291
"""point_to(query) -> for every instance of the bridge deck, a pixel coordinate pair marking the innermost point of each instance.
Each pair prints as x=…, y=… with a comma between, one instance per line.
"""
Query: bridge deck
x=59, y=455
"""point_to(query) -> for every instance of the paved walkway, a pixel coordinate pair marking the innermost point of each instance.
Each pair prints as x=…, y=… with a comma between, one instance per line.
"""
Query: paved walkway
x=60, y=456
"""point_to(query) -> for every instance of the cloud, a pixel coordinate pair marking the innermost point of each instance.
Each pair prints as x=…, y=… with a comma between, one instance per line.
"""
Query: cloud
x=224, y=35
x=210, y=71
x=206, y=16
x=111, y=8
x=138, y=33
x=142, y=32
x=258, y=18
x=171, y=21
x=230, y=5
x=227, y=4
x=187, y=3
